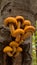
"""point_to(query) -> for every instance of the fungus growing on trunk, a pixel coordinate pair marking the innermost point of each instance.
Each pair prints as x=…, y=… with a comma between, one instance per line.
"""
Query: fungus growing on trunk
x=8, y=51
x=10, y=22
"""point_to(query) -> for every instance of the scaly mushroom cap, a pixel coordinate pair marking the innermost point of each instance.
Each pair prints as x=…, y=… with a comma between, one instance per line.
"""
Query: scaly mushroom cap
x=9, y=20
x=29, y=28
x=7, y=49
x=19, y=49
x=20, y=18
x=27, y=23
x=13, y=43
x=18, y=32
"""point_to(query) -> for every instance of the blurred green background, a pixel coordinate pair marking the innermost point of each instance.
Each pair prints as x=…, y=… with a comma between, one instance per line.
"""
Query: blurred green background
x=34, y=47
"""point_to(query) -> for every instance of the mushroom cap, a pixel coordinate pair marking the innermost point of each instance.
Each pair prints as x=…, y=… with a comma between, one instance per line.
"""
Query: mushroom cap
x=13, y=43
x=27, y=22
x=19, y=49
x=9, y=20
x=17, y=32
x=19, y=18
x=29, y=28
x=7, y=49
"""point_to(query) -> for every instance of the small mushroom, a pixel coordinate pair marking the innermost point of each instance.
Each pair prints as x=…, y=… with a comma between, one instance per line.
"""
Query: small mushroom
x=11, y=22
x=20, y=20
x=19, y=49
x=18, y=33
x=8, y=50
x=14, y=45
x=28, y=31
x=29, y=28
x=26, y=23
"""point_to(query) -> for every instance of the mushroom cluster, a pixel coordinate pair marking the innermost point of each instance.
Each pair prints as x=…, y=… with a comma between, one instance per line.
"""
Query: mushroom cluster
x=20, y=29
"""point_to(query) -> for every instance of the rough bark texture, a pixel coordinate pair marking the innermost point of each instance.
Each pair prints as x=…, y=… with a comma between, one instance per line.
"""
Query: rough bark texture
x=25, y=8
x=23, y=58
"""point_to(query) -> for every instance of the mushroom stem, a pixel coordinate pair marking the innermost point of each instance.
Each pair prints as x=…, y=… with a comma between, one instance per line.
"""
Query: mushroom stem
x=17, y=38
x=21, y=41
x=14, y=49
x=9, y=54
x=11, y=27
x=16, y=54
x=18, y=33
x=18, y=25
x=19, y=49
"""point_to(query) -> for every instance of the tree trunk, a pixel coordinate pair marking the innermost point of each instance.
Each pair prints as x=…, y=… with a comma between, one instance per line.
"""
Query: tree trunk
x=27, y=9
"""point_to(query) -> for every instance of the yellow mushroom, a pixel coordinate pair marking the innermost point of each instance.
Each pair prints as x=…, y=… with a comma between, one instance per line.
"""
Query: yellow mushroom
x=28, y=31
x=18, y=33
x=11, y=22
x=29, y=28
x=19, y=49
x=14, y=45
x=20, y=20
x=8, y=50
x=26, y=23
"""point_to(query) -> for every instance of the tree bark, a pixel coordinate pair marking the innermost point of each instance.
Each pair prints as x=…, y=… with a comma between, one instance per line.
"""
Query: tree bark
x=27, y=9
